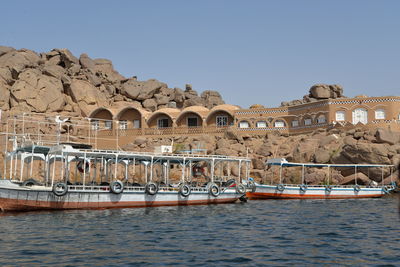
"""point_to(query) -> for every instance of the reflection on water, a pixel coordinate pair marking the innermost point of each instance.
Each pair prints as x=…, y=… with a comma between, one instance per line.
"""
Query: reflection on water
x=276, y=232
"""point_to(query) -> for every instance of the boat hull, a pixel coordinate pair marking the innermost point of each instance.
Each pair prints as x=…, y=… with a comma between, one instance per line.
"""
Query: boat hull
x=318, y=192
x=22, y=199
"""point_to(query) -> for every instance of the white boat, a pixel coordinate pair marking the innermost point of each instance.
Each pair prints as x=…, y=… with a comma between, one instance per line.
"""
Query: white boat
x=326, y=191
x=77, y=178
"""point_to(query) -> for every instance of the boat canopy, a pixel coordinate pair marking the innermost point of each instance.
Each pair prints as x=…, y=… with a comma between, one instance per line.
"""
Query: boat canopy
x=284, y=162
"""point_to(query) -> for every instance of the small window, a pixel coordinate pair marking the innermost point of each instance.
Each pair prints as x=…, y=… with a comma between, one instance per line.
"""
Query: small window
x=261, y=124
x=192, y=122
x=279, y=124
x=340, y=116
x=295, y=123
x=163, y=123
x=95, y=125
x=307, y=122
x=222, y=121
x=380, y=114
x=244, y=124
x=321, y=119
x=136, y=124
x=123, y=125
x=108, y=125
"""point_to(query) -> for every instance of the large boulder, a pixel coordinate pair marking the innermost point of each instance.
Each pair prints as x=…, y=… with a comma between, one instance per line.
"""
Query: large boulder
x=141, y=90
x=5, y=49
x=4, y=97
x=322, y=156
x=17, y=60
x=67, y=58
x=150, y=104
x=54, y=71
x=194, y=101
x=324, y=91
x=212, y=98
x=105, y=68
x=86, y=95
x=386, y=136
x=359, y=177
x=36, y=92
x=86, y=62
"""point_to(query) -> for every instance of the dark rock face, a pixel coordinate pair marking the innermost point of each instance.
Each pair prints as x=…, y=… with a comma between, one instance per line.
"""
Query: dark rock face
x=84, y=82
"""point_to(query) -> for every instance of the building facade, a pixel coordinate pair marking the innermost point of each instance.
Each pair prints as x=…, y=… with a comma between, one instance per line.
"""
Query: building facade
x=343, y=112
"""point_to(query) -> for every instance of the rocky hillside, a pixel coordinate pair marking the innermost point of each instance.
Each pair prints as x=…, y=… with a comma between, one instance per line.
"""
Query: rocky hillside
x=58, y=81
x=335, y=146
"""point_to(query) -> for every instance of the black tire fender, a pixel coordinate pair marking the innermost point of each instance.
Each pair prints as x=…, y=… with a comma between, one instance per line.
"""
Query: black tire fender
x=60, y=189
x=116, y=187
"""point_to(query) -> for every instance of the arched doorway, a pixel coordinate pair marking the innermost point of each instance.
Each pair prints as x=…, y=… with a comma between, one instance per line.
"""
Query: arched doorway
x=130, y=118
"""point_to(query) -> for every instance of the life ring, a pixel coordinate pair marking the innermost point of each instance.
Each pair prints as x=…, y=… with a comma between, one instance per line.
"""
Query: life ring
x=303, y=187
x=240, y=188
x=357, y=188
x=280, y=187
x=116, y=187
x=60, y=189
x=151, y=188
x=214, y=190
x=252, y=186
x=80, y=166
x=185, y=190
x=328, y=188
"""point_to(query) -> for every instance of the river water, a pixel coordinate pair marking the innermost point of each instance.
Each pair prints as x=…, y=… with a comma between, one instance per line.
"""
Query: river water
x=274, y=232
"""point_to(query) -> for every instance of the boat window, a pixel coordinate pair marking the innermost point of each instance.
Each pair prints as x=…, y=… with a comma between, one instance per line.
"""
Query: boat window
x=192, y=122
x=321, y=119
x=380, y=114
x=307, y=122
x=108, y=125
x=279, y=124
x=295, y=123
x=244, y=124
x=261, y=124
x=222, y=121
x=340, y=115
x=163, y=123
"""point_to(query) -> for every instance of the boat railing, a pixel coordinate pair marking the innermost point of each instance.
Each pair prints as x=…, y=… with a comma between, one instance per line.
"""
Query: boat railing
x=333, y=186
x=106, y=188
x=129, y=153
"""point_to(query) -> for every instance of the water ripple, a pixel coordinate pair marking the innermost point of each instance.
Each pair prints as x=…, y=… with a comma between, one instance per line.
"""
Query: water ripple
x=279, y=233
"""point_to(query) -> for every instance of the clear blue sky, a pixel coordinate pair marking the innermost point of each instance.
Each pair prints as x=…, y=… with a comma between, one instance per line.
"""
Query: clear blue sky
x=250, y=51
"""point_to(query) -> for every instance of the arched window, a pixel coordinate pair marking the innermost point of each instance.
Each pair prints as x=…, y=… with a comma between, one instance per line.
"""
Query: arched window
x=308, y=121
x=261, y=124
x=321, y=119
x=380, y=114
x=340, y=115
x=360, y=115
x=279, y=124
x=244, y=124
x=295, y=123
